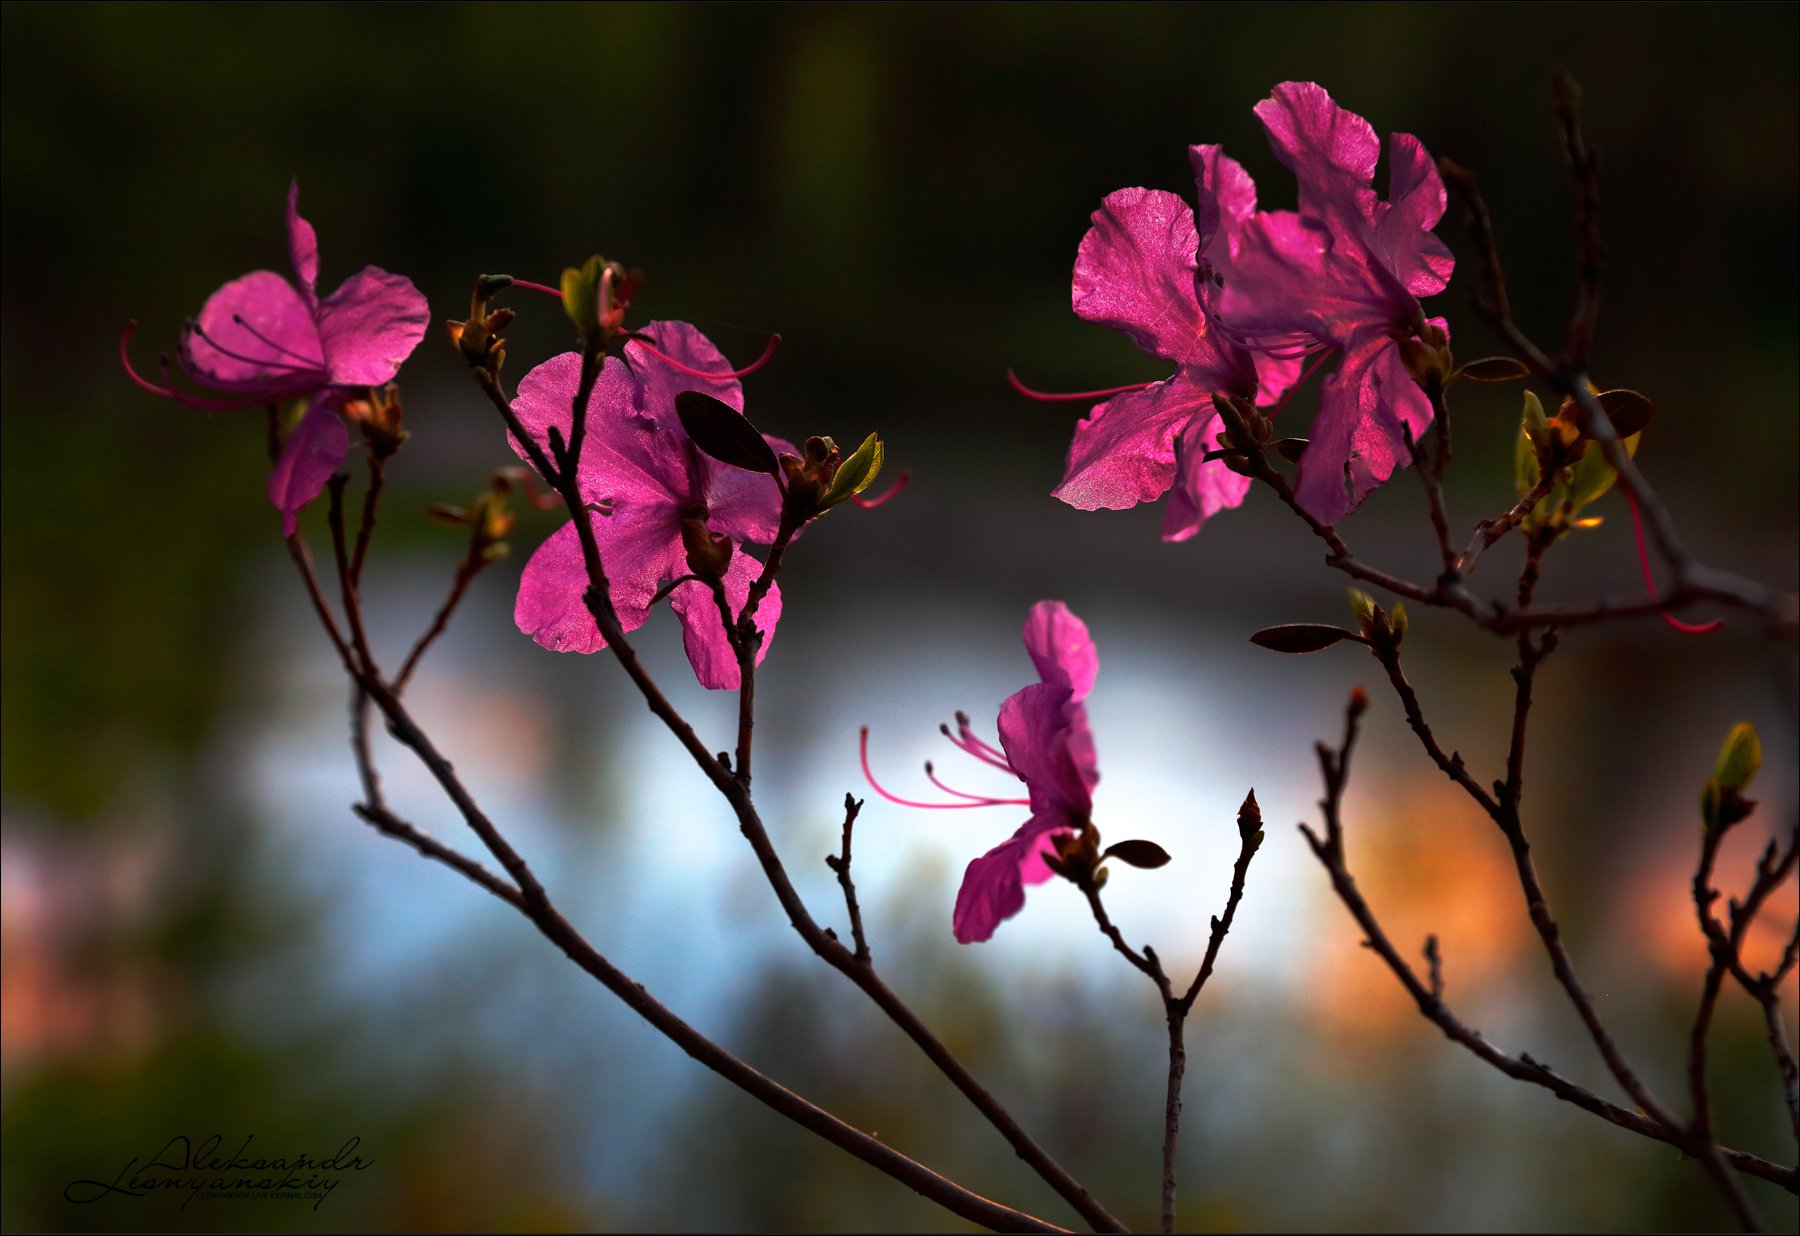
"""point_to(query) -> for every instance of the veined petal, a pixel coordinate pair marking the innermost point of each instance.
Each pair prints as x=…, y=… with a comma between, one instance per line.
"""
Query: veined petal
x=1134, y=272
x=993, y=887
x=1203, y=487
x=1227, y=196
x=745, y=505
x=1356, y=440
x=703, y=629
x=550, y=607
x=370, y=325
x=1045, y=734
x=1123, y=452
x=1415, y=204
x=1320, y=142
x=303, y=245
x=1061, y=648
x=256, y=337
x=308, y=459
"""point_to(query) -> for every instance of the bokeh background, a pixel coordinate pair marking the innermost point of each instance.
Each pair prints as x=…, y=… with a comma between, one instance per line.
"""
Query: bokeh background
x=199, y=938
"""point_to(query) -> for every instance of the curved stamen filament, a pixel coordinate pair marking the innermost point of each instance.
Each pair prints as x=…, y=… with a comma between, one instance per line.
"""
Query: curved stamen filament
x=167, y=389
x=529, y=286
x=985, y=800
x=869, y=776
x=1637, y=526
x=972, y=746
x=970, y=736
x=869, y=504
x=305, y=360
x=752, y=367
x=266, y=362
x=1072, y=396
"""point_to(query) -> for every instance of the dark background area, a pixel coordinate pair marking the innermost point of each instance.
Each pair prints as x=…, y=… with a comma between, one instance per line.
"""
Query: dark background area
x=191, y=913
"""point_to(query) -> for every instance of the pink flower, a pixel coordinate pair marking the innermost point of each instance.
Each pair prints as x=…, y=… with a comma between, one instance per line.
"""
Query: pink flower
x=1346, y=270
x=640, y=468
x=1136, y=271
x=1044, y=742
x=262, y=339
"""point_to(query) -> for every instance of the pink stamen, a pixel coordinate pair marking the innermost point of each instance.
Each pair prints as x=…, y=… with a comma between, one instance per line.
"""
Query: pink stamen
x=869, y=776
x=306, y=361
x=1686, y=628
x=167, y=390
x=869, y=504
x=752, y=367
x=529, y=286
x=985, y=800
x=973, y=747
x=1072, y=396
x=265, y=361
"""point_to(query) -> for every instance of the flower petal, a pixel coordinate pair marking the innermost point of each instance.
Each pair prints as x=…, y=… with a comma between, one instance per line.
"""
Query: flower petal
x=370, y=325
x=256, y=337
x=1123, y=452
x=1416, y=203
x=1227, y=196
x=1044, y=732
x=1324, y=145
x=308, y=459
x=1134, y=271
x=993, y=887
x=1356, y=440
x=1203, y=487
x=550, y=607
x=744, y=505
x=303, y=244
x=1061, y=648
x=703, y=630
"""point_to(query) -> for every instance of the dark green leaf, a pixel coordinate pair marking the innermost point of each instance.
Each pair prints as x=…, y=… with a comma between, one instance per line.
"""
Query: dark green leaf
x=1297, y=637
x=1145, y=854
x=1291, y=449
x=723, y=432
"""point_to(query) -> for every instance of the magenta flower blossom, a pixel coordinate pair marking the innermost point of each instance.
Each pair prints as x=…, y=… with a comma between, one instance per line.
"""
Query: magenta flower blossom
x=645, y=475
x=262, y=338
x=1137, y=271
x=1346, y=270
x=1044, y=742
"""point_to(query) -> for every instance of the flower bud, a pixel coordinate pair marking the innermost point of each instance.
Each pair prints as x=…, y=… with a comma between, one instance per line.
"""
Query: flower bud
x=708, y=552
x=379, y=417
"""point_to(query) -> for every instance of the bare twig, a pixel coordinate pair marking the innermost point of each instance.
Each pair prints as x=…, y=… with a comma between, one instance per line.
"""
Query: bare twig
x=840, y=863
x=466, y=571
x=1329, y=850
x=598, y=600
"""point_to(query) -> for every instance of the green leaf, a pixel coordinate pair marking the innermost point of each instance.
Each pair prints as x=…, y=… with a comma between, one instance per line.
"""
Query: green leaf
x=855, y=473
x=1493, y=369
x=1739, y=759
x=1301, y=637
x=1362, y=606
x=1709, y=806
x=581, y=293
x=1531, y=431
x=1146, y=854
x=724, y=433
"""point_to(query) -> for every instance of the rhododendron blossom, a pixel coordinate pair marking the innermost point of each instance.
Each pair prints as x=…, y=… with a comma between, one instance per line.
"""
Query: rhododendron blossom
x=262, y=339
x=642, y=478
x=1044, y=742
x=1345, y=270
x=1139, y=270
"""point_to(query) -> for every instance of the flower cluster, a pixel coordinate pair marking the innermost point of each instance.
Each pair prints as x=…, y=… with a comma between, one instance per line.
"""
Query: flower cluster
x=1238, y=299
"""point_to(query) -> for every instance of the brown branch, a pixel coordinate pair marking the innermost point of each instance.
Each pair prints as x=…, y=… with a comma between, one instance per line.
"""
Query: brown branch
x=840, y=863
x=466, y=571
x=530, y=899
x=366, y=527
x=1490, y=530
x=1431, y=476
x=598, y=600
x=1329, y=850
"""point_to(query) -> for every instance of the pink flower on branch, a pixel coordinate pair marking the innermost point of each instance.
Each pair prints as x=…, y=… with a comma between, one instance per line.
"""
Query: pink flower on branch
x=262, y=339
x=1346, y=271
x=1139, y=270
x=1044, y=742
x=654, y=499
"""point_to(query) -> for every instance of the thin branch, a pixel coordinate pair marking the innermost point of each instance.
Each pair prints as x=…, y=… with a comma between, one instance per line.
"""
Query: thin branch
x=466, y=571
x=598, y=600
x=1490, y=530
x=1431, y=476
x=366, y=529
x=1329, y=850
x=840, y=863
